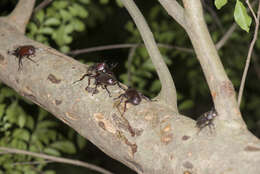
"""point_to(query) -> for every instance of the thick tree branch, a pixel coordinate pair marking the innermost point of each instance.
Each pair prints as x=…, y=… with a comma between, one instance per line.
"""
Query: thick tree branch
x=221, y=88
x=252, y=44
x=150, y=139
x=56, y=159
x=175, y=10
x=21, y=14
x=168, y=91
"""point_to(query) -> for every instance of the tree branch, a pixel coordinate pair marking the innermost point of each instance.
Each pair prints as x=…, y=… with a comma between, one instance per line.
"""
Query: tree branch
x=175, y=10
x=252, y=44
x=120, y=46
x=221, y=88
x=129, y=64
x=42, y=5
x=56, y=159
x=21, y=14
x=168, y=91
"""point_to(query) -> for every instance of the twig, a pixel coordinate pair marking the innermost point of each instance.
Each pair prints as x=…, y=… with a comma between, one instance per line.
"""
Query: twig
x=250, y=50
x=168, y=91
x=226, y=36
x=32, y=162
x=101, y=48
x=120, y=46
x=56, y=159
x=175, y=10
x=42, y=5
x=129, y=63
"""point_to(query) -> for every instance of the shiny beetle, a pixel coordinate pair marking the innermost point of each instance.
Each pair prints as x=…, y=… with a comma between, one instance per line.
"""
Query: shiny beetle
x=101, y=79
x=206, y=119
x=132, y=96
x=23, y=51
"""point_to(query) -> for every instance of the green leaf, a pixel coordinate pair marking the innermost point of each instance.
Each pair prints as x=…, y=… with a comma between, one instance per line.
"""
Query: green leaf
x=19, y=144
x=64, y=146
x=65, y=49
x=78, y=25
x=21, y=134
x=52, y=151
x=60, y=4
x=40, y=16
x=220, y=3
x=11, y=112
x=84, y=1
x=21, y=120
x=29, y=122
x=42, y=114
x=241, y=16
x=46, y=124
x=7, y=92
x=2, y=110
x=49, y=172
x=103, y=1
x=187, y=104
x=65, y=15
x=81, y=141
x=45, y=135
x=32, y=27
x=46, y=30
x=80, y=11
x=52, y=22
x=119, y=3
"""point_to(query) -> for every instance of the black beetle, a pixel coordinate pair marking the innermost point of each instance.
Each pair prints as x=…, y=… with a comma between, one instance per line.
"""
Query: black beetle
x=132, y=96
x=206, y=119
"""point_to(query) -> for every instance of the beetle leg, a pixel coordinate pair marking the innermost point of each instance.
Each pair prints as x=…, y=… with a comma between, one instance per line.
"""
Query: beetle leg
x=122, y=95
x=95, y=90
x=120, y=86
x=28, y=57
x=125, y=107
x=20, y=63
x=105, y=86
x=84, y=75
x=144, y=97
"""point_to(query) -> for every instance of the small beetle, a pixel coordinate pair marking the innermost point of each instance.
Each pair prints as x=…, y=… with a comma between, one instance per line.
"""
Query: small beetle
x=101, y=79
x=23, y=51
x=102, y=67
x=132, y=96
x=206, y=119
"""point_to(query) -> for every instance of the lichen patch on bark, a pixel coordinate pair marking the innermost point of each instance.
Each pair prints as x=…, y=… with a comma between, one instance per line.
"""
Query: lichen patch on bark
x=252, y=149
x=166, y=139
x=53, y=79
x=71, y=116
x=104, y=123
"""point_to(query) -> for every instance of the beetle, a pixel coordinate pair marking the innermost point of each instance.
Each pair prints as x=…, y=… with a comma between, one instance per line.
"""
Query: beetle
x=23, y=51
x=206, y=119
x=132, y=96
x=101, y=79
x=102, y=67
x=98, y=68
